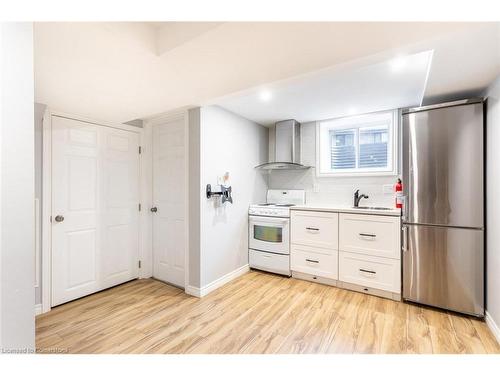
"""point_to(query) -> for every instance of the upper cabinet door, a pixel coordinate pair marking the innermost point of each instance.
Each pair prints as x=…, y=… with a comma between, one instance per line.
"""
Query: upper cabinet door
x=443, y=166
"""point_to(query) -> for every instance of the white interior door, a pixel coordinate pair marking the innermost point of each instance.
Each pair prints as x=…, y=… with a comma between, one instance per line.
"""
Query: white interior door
x=119, y=207
x=95, y=179
x=169, y=172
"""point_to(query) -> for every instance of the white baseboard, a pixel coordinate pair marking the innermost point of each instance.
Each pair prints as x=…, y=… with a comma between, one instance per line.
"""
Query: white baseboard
x=38, y=309
x=493, y=326
x=201, y=292
x=193, y=291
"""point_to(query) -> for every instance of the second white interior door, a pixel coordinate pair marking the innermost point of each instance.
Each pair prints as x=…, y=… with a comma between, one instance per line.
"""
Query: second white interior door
x=169, y=203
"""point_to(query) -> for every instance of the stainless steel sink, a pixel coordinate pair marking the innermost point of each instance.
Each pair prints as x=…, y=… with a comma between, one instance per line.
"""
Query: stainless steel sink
x=372, y=208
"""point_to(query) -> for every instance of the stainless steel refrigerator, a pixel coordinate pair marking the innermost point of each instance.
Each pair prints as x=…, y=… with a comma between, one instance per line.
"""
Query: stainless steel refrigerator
x=443, y=212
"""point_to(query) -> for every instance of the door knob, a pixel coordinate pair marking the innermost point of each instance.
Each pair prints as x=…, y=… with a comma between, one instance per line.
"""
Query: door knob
x=59, y=218
x=154, y=209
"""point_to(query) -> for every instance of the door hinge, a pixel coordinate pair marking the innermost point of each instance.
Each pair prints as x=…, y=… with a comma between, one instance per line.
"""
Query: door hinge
x=140, y=206
x=140, y=264
x=140, y=149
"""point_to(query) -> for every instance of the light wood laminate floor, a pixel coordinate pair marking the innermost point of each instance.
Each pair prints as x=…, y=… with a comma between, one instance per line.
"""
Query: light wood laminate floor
x=256, y=313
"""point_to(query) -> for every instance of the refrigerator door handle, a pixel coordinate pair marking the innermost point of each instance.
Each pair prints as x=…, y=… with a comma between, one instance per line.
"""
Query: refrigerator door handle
x=405, y=207
x=405, y=238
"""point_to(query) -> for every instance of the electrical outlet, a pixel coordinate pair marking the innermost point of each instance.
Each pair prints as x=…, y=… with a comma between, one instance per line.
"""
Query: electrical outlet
x=388, y=189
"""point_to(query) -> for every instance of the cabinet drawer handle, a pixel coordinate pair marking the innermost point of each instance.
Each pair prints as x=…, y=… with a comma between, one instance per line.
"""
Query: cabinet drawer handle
x=367, y=271
x=314, y=229
x=368, y=235
x=312, y=260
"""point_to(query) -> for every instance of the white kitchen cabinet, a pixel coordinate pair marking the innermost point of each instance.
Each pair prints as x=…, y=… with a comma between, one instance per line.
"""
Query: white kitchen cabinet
x=370, y=271
x=316, y=229
x=305, y=259
x=314, y=246
x=355, y=251
x=370, y=254
x=370, y=234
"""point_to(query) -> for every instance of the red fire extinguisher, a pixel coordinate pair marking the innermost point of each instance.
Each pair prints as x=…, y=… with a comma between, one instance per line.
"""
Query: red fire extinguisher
x=398, y=188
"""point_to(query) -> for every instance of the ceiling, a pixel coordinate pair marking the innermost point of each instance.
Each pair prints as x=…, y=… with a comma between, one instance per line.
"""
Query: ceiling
x=123, y=71
x=329, y=93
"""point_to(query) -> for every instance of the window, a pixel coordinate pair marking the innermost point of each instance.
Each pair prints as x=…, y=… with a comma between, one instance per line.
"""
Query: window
x=268, y=234
x=357, y=145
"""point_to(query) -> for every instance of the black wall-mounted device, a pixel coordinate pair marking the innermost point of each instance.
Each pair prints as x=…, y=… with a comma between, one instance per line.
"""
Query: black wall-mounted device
x=224, y=193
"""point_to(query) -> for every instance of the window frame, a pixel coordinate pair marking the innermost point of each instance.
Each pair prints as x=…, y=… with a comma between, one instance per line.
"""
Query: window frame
x=358, y=122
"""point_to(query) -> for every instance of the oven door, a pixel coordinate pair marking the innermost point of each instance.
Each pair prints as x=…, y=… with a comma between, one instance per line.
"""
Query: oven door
x=269, y=234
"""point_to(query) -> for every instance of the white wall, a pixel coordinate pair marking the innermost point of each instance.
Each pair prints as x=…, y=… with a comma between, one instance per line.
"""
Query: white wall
x=328, y=190
x=195, y=198
x=17, y=324
x=493, y=207
x=39, y=111
x=228, y=143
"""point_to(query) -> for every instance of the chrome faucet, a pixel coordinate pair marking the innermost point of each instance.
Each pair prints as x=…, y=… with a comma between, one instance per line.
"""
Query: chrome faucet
x=358, y=197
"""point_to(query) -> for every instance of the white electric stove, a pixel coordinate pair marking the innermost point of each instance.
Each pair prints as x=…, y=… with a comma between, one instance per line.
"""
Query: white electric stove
x=268, y=230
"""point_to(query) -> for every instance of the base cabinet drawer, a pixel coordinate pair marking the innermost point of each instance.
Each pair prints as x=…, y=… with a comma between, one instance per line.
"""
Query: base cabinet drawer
x=370, y=235
x=270, y=262
x=374, y=272
x=318, y=229
x=313, y=263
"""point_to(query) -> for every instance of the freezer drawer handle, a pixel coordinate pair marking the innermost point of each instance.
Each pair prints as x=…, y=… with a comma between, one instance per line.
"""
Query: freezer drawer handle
x=370, y=235
x=367, y=271
x=312, y=261
x=313, y=229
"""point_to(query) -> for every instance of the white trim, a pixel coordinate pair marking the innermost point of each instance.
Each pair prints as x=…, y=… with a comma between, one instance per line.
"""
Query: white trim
x=38, y=309
x=161, y=118
x=193, y=291
x=131, y=128
x=46, y=211
x=186, y=198
x=46, y=252
x=37, y=242
x=493, y=326
x=201, y=292
x=146, y=256
x=362, y=172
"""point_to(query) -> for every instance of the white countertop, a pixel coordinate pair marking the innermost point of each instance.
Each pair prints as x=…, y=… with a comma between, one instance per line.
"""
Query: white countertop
x=346, y=209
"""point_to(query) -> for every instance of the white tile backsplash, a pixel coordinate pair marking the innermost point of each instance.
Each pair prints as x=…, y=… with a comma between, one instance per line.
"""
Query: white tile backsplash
x=330, y=190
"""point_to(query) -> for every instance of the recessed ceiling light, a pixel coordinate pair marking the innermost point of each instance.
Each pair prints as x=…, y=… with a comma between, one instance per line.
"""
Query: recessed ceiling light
x=397, y=64
x=351, y=110
x=265, y=95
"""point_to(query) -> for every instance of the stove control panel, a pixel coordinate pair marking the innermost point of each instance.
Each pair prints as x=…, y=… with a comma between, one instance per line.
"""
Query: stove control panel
x=267, y=211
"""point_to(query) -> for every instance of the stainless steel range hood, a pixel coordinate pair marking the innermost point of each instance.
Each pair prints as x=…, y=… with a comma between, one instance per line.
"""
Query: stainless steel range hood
x=287, y=147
